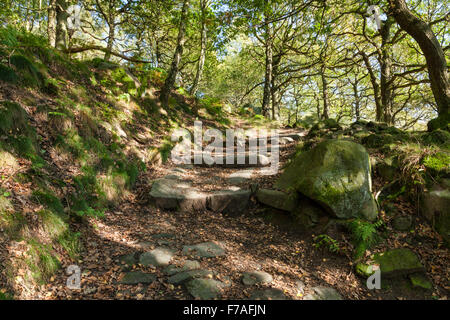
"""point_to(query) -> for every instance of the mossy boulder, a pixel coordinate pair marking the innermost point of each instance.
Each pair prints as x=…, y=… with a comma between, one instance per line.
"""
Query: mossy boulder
x=438, y=137
x=419, y=280
x=398, y=262
x=377, y=140
x=336, y=174
x=441, y=122
x=323, y=127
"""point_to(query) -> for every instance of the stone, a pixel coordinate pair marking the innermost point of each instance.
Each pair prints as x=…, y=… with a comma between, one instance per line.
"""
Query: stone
x=301, y=286
x=229, y=201
x=163, y=236
x=137, y=277
x=187, y=266
x=159, y=257
x=402, y=223
x=435, y=206
x=324, y=293
x=128, y=259
x=176, y=194
x=256, y=277
x=240, y=176
x=398, y=262
x=277, y=199
x=269, y=294
x=205, y=250
x=307, y=214
x=189, y=275
x=365, y=270
x=419, y=280
x=205, y=289
x=337, y=175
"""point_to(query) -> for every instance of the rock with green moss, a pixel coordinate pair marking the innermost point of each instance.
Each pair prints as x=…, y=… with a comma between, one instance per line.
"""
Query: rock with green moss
x=438, y=163
x=336, y=174
x=435, y=206
x=419, y=280
x=365, y=270
x=438, y=137
x=277, y=199
x=441, y=122
x=377, y=140
x=398, y=262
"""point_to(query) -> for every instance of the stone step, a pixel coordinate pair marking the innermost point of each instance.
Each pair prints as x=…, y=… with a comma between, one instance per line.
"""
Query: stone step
x=248, y=161
x=174, y=194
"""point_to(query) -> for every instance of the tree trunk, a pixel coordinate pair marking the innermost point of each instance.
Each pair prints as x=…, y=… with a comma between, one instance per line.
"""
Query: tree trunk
x=111, y=35
x=203, y=42
x=61, y=25
x=268, y=73
x=51, y=23
x=357, y=100
x=434, y=55
x=376, y=88
x=324, y=92
x=274, y=90
x=173, y=72
x=386, y=74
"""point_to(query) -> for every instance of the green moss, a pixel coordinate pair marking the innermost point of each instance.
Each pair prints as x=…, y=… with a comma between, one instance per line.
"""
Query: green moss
x=7, y=74
x=5, y=296
x=377, y=140
x=437, y=137
x=30, y=74
x=419, y=280
x=397, y=262
x=364, y=270
x=438, y=162
x=41, y=260
x=49, y=200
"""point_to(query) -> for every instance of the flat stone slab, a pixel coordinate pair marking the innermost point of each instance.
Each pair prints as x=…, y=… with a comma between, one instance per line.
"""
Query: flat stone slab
x=128, y=259
x=269, y=294
x=229, y=201
x=247, y=161
x=398, y=262
x=323, y=293
x=177, y=194
x=277, y=199
x=136, y=277
x=205, y=250
x=159, y=257
x=187, y=266
x=256, y=277
x=240, y=176
x=189, y=275
x=205, y=289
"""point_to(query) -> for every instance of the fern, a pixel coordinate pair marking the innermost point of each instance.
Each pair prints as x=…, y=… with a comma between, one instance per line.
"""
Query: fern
x=364, y=235
x=325, y=240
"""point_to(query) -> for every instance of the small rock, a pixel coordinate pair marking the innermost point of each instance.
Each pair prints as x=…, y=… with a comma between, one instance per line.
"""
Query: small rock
x=300, y=286
x=402, y=223
x=420, y=281
x=189, y=275
x=324, y=293
x=277, y=199
x=159, y=257
x=205, y=250
x=205, y=289
x=187, y=266
x=256, y=277
x=128, y=259
x=137, y=277
x=268, y=294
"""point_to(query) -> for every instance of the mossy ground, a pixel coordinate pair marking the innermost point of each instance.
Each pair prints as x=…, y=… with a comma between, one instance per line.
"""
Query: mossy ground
x=75, y=137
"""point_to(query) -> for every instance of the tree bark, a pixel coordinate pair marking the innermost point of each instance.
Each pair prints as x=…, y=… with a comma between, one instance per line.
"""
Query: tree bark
x=173, y=72
x=324, y=92
x=376, y=88
x=51, y=23
x=111, y=35
x=268, y=72
x=434, y=55
x=203, y=42
x=61, y=25
x=386, y=74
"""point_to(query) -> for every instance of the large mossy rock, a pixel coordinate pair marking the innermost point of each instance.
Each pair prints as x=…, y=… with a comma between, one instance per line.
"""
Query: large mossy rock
x=441, y=122
x=398, y=262
x=336, y=174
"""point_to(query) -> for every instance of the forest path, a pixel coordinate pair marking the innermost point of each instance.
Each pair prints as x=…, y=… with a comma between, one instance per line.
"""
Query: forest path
x=140, y=251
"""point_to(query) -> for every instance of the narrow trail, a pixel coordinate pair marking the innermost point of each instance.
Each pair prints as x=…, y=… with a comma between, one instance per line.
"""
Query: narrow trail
x=144, y=251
